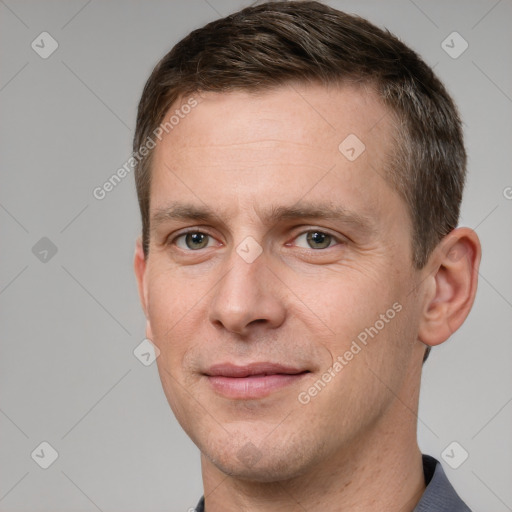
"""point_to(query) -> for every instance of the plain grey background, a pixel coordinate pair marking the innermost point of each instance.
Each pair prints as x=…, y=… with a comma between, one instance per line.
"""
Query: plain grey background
x=70, y=321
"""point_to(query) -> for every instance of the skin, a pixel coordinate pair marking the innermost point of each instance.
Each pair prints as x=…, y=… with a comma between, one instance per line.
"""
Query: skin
x=353, y=446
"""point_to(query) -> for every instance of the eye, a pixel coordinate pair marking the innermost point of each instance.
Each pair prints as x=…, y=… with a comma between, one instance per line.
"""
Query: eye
x=193, y=240
x=316, y=239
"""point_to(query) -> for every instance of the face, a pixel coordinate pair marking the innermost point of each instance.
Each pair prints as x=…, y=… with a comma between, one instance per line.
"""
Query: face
x=278, y=281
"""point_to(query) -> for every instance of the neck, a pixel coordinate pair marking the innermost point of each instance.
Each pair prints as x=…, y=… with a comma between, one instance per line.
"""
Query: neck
x=380, y=470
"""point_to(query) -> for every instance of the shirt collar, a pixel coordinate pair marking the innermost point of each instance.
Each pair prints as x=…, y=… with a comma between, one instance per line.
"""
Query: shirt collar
x=439, y=495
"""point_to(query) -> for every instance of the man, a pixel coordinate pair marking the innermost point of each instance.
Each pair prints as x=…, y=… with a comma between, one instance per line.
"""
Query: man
x=299, y=175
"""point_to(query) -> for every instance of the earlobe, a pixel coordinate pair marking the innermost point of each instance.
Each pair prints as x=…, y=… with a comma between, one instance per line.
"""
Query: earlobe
x=149, y=332
x=452, y=282
x=139, y=265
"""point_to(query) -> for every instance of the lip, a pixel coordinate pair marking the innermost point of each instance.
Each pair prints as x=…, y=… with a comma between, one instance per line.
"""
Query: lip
x=251, y=381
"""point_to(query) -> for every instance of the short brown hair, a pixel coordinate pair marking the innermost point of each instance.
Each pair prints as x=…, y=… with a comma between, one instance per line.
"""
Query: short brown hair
x=276, y=43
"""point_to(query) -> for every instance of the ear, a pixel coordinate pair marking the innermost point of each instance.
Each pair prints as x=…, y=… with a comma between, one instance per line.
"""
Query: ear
x=139, y=265
x=451, y=285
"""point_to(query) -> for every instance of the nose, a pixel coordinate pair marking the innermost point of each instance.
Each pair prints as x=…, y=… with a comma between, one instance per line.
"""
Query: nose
x=249, y=295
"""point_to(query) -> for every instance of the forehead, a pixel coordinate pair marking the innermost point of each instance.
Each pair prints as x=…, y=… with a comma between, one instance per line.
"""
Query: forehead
x=312, y=114
x=243, y=148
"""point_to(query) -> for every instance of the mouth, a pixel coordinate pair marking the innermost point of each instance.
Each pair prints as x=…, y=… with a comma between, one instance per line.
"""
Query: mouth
x=256, y=380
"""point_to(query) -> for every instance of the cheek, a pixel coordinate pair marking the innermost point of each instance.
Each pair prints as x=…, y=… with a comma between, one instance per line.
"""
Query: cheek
x=171, y=306
x=343, y=302
x=363, y=321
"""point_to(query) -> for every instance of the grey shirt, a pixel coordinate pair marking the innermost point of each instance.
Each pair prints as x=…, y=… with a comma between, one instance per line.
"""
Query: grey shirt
x=439, y=495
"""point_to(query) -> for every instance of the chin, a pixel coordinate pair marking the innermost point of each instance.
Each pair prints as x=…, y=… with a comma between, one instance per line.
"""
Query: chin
x=268, y=464
x=263, y=472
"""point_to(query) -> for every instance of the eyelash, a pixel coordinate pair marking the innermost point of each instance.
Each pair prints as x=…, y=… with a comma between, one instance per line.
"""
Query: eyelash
x=314, y=230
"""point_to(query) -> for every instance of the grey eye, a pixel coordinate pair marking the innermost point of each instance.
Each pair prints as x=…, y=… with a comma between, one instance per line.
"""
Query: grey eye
x=194, y=240
x=316, y=239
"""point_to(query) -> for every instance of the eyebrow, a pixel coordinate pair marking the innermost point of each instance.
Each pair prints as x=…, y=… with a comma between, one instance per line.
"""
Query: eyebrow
x=203, y=213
